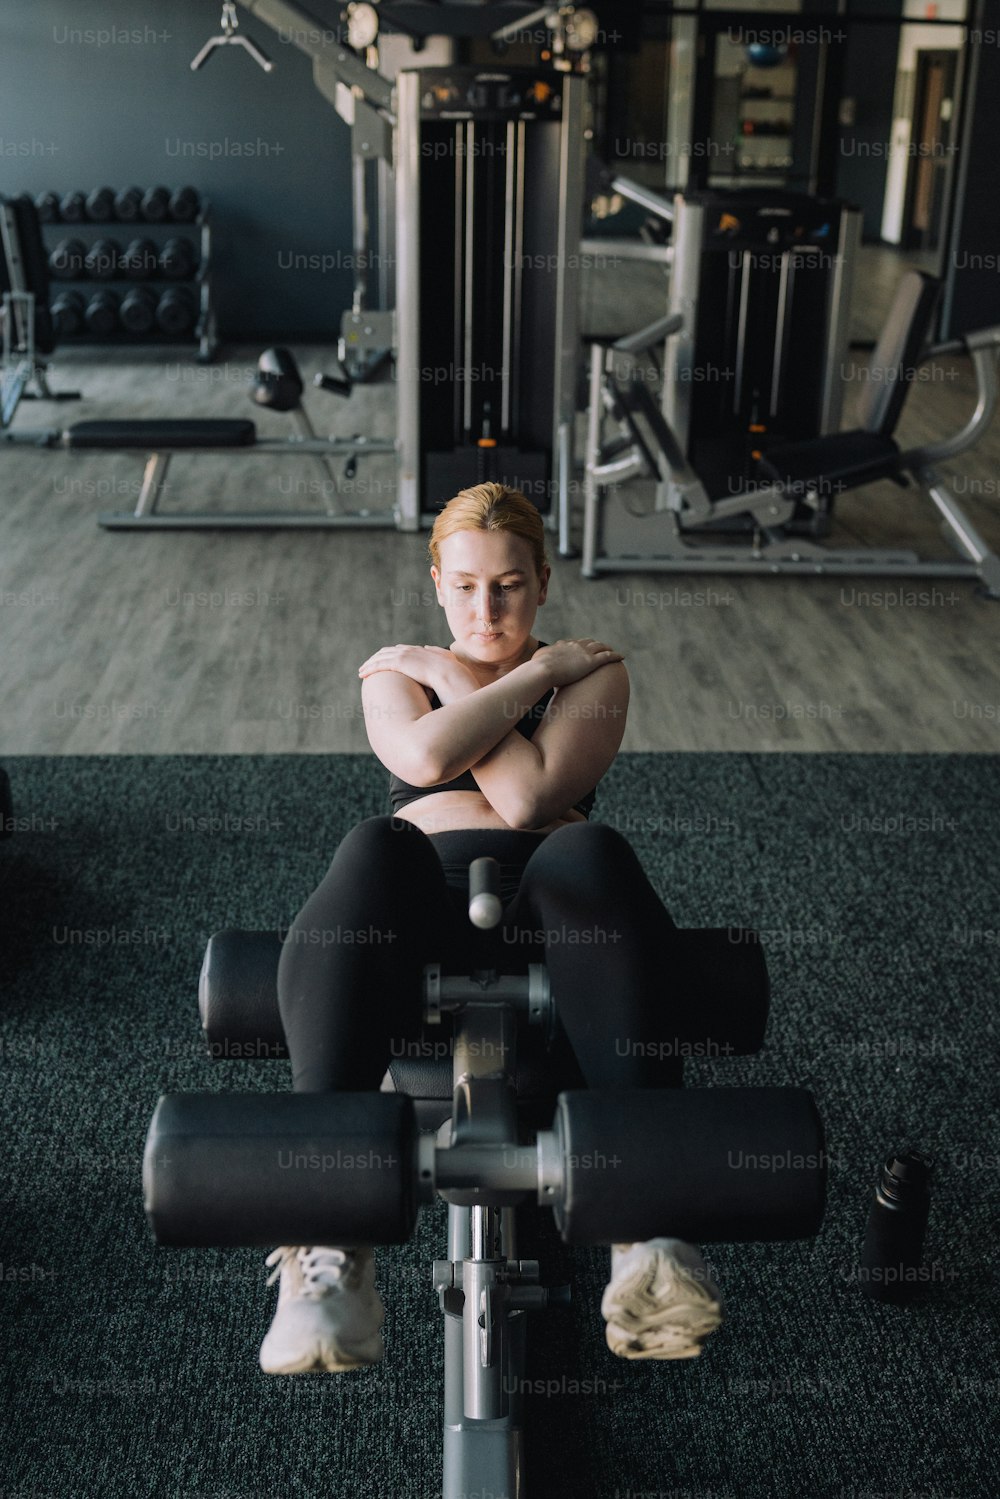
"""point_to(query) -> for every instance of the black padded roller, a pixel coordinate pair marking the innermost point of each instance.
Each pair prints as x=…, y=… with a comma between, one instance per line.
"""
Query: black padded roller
x=285, y=1168
x=729, y=1164
x=238, y=995
x=718, y=995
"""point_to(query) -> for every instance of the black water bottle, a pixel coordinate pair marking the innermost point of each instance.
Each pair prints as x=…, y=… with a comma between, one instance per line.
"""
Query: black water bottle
x=894, y=1235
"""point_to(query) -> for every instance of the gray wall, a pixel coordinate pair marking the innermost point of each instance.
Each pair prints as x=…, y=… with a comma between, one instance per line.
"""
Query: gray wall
x=101, y=91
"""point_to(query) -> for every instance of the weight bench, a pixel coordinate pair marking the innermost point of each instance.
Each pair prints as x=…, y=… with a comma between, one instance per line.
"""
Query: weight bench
x=613, y=1165
x=278, y=387
x=798, y=482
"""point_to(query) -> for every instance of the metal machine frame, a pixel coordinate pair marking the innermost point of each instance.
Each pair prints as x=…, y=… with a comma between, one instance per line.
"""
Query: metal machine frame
x=482, y=1163
x=647, y=445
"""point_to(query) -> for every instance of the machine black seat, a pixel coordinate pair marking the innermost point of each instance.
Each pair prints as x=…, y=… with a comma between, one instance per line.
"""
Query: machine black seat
x=719, y=980
x=842, y=460
x=154, y=436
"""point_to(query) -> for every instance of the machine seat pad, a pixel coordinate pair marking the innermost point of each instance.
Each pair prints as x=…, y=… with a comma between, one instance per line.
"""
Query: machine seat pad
x=154, y=436
x=842, y=460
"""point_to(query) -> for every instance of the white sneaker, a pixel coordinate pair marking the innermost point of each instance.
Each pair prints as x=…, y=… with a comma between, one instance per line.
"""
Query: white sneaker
x=661, y=1301
x=329, y=1312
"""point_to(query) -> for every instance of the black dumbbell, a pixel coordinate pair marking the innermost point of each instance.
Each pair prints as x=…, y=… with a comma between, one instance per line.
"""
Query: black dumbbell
x=128, y=205
x=177, y=259
x=185, y=205
x=138, y=310
x=140, y=262
x=102, y=259
x=73, y=208
x=101, y=205
x=66, y=260
x=67, y=314
x=155, y=205
x=175, y=311
x=48, y=207
x=101, y=314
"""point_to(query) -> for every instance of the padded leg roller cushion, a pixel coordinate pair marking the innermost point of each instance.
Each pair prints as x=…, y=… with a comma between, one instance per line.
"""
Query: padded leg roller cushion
x=286, y=1168
x=726, y=1164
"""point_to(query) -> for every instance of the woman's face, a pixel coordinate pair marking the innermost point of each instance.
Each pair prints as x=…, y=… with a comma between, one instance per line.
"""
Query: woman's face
x=490, y=592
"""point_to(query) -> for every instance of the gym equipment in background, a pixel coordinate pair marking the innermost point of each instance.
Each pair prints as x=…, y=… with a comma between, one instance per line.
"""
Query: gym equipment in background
x=514, y=290
x=67, y=314
x=102, y=260
x=26, y=324
x=507, y=146
x=67, y=260
x=763, y=281
x=128, y=205
x=668, y=537
x=157, y=254
x=229, y=37
x=100, y=205
x=489, y=204
x=485, y=1136
x=278, y=387
x=101, y=313
x=138, y=310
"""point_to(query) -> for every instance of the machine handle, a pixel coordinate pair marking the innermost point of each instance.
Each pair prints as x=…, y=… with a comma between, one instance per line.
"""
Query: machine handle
x=485, y=906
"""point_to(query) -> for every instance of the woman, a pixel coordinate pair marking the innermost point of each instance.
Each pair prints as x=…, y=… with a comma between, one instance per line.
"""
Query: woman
x=494, y=746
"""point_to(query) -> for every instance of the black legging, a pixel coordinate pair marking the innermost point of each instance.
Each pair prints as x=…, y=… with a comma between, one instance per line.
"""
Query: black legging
x=350, y=975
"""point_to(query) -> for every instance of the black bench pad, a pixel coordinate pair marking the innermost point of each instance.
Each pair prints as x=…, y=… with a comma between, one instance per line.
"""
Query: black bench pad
x=189, y=432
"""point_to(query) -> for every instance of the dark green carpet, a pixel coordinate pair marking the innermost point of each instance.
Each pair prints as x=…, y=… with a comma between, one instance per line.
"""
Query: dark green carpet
x=131, y=1370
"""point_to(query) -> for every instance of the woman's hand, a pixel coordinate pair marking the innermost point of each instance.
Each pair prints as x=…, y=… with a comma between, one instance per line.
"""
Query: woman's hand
x=568, y=661
x=431, y=665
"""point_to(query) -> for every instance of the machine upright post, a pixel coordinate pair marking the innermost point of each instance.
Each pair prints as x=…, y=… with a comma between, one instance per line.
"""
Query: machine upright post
x=407, y=299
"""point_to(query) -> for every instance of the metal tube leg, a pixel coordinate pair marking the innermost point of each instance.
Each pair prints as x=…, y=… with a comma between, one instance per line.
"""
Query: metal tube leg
x=566, y=548
x=324, y=462
x=591, y=488
x=154, y=480
x=961, y=532
x=482, y=1456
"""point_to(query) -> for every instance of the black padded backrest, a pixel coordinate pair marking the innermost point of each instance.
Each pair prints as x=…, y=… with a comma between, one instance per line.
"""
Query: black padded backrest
x=34, y=268
x=905, y=334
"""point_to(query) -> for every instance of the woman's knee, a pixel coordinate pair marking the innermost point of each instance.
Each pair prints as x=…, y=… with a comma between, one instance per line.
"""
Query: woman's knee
x=582, y=847
x=382, y=843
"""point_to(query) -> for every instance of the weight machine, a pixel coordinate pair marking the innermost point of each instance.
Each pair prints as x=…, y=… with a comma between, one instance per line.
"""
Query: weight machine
x=760, y=456
x=495, y=1125
x=487, y=170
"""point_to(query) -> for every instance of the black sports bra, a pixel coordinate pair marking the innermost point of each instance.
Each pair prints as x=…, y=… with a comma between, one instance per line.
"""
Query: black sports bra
x=401, y=792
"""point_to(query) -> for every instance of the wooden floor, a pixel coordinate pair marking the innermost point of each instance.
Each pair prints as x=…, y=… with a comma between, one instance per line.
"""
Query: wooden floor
x=211, y=642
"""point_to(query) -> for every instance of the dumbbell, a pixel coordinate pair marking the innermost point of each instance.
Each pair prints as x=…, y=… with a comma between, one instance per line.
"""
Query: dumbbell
x=73, y=208
x=177, y=259
x=128, y=205
x=48, y=207
x=67, y=314
x=184, y=205
x=138, y=310
x=155, y=205
x=102, y=259
x=101, y=205
x=140, y=261
x=101, y=314
x=176, y=310
x=66, y=260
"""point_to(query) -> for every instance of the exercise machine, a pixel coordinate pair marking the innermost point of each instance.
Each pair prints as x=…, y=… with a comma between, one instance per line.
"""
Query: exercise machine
x=629, y=436
x=488, y=179
x=493, y=1129
x=25, y=321
x=763, y=282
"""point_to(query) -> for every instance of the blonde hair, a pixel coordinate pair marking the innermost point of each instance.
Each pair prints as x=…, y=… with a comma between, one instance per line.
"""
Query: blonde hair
x=490, y=507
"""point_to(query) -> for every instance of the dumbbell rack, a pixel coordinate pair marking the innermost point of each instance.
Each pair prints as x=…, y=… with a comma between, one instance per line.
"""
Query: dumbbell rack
x=204, y=331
